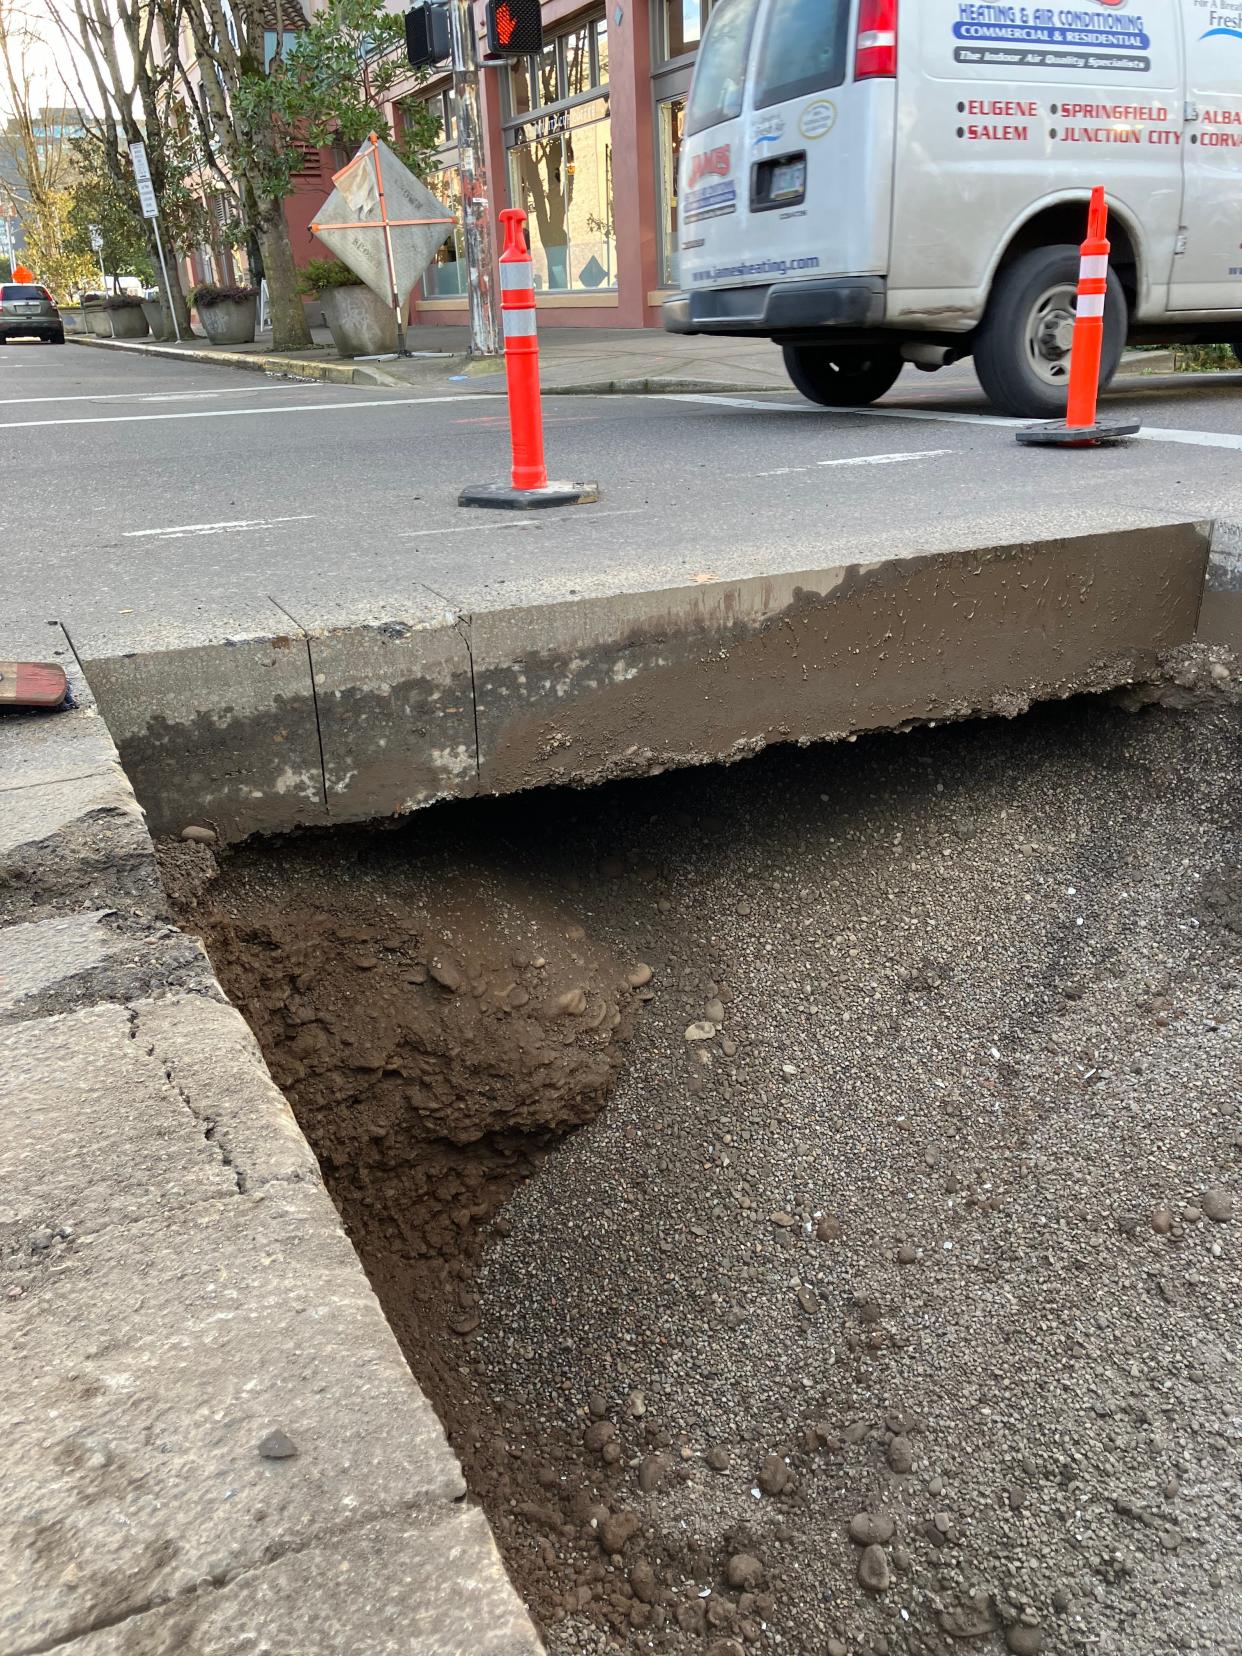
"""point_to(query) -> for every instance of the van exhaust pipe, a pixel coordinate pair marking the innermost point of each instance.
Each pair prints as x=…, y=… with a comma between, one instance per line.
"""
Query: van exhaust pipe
x=930, y=357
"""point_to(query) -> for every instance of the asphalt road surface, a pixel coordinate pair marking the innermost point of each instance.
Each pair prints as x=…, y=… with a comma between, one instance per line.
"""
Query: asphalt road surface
x=150, y=500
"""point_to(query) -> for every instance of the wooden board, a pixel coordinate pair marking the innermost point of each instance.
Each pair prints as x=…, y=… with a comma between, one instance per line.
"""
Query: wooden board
x=32, y=684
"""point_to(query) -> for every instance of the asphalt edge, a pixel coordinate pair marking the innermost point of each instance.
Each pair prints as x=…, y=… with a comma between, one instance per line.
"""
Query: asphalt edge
x=275, y=366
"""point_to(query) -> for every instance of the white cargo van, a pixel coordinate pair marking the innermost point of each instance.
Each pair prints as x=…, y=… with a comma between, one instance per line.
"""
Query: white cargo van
x=874, y=182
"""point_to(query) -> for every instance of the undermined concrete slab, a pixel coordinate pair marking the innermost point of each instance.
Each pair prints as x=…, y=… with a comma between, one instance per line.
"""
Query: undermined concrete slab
x=1220, y=621
x=385, y=704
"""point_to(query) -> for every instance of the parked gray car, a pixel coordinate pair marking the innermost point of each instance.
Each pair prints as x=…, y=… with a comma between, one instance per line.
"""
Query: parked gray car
x=29, y=311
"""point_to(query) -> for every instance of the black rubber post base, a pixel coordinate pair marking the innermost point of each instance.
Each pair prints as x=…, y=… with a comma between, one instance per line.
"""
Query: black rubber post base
x=1056, y=434
x=501, y=497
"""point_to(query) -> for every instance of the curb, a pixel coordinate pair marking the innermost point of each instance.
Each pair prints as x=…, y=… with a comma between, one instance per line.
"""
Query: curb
x=279, y=367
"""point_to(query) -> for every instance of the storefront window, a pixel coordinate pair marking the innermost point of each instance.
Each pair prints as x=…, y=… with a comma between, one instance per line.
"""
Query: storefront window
x=560, y=159
x=672, y=131
x=446, y=277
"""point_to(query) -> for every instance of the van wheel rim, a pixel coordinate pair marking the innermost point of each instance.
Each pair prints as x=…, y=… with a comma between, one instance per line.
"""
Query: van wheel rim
x=1050, y=333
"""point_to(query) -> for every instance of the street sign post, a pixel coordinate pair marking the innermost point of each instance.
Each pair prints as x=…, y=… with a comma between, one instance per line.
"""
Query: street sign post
x=151, y=210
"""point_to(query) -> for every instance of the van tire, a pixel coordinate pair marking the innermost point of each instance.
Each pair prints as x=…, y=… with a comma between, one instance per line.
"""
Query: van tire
x=842, y=376
x=1004, y=346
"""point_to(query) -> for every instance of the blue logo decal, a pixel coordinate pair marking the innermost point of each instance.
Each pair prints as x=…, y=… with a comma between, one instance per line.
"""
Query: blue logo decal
x=1236, y=33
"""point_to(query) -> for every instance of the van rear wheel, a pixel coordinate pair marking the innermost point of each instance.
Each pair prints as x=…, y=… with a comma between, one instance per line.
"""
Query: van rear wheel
x=1022, y=349
x=842, y=376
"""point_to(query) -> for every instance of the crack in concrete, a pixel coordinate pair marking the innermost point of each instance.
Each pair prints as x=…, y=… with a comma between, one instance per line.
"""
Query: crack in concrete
x=274, y=1553
x=310, y=667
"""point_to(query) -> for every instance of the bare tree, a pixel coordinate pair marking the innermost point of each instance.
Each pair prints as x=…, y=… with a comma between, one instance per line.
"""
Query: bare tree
x=35, y=148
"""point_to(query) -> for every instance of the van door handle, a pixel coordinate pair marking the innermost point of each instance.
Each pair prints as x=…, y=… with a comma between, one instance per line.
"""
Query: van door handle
x=1191, y=112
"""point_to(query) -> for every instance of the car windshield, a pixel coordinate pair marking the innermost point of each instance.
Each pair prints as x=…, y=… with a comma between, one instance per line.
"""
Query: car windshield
x=720, y=73
x=805, y=48
x=14, y=290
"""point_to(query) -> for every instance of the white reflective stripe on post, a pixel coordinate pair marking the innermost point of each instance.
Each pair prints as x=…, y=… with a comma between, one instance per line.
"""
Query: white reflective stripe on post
x=1090, y=304
x=1093, y=267
x=519, y=324
x=516, y=276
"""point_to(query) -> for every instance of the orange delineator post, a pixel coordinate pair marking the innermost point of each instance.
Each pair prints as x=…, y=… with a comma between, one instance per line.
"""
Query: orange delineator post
x=1080, y=428
x=1088, y=345
x=530, y=488
x=517, y=303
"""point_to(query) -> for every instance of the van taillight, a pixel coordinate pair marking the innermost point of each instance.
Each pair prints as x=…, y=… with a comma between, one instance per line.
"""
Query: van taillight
x=877, y=40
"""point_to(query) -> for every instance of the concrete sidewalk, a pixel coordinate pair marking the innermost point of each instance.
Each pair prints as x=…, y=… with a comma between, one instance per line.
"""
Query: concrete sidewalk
x=177, y=1287
x=582, y=360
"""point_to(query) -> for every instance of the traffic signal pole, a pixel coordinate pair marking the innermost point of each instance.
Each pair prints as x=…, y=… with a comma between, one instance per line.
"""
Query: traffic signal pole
x=477, y=214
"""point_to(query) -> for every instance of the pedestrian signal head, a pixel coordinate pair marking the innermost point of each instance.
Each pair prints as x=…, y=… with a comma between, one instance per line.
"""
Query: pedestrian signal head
x=514, y=27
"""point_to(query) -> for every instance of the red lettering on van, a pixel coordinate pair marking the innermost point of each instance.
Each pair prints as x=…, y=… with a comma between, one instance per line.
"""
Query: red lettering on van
x=711, y=164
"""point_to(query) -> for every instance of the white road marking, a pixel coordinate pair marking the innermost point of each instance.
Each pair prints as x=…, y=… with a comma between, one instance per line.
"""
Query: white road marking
x=267, y=413
x=537, y=517
x=213, y=528
x=1149, y=434
x=859, y=460
x=149, y=396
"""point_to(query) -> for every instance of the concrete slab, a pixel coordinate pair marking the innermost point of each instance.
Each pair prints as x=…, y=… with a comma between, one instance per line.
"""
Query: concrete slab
x=397, y=1588
x=605, y=687
x=204, y=1048
x=142, y=1367
x=92, y=1132
x=1220, y=619
x=394, y=698
x=213, y=726
x=75, y=842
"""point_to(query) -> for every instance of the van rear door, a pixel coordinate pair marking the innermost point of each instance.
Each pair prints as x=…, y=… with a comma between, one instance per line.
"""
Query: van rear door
x=1207, y=273
x=789, y=175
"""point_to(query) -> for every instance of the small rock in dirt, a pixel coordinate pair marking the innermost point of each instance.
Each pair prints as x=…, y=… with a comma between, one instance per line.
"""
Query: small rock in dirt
x=873, y=1571
x=714, y=1012
x=598, y=1433
x=774, y=1476
x=701, y=1032
x=1218, y=1204
x=744, y=1572
x=718, y=1458
x=643, y=1582
x=573, y=1002
x=652, y=1472
x=868, y=1527
x=616, y=1530
x=1162, y=1221
x=641, y=976
x=1024, y=1641
x=967, y=1621
x=828, y=1229
x=901, y=1455
x=276, y=1446
x=597, y=1405
x=197, y=835
x=1016, y=1497
x=906, y=1255
x=836, y=1648
x=445, y=974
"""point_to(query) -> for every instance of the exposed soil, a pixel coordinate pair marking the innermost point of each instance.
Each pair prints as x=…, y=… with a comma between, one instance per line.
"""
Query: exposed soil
x=892, y=1303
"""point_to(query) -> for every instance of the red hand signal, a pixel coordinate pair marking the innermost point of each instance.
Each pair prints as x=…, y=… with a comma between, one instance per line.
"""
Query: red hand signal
x=506, y=23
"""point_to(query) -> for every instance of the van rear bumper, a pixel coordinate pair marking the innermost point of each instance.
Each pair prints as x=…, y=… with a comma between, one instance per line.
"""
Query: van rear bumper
x=783, y=307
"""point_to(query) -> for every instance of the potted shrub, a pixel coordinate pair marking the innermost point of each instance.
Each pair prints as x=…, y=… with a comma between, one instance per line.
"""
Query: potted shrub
x=228, y=314
x=360, y=322
x=124, y=316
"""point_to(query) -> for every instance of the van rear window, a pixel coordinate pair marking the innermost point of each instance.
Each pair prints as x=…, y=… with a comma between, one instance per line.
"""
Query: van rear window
x=805, y=49
x=720, y=73
x=15, y=290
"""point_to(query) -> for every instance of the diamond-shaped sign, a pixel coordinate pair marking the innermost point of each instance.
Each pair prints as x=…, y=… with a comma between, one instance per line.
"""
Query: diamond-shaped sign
x=382, y=222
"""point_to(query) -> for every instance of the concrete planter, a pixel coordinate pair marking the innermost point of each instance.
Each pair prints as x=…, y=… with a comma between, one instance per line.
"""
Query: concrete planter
x=361, y=323
x=153, y=310
x=129, y=323
x=230, y=321
x=97, y=322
